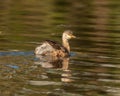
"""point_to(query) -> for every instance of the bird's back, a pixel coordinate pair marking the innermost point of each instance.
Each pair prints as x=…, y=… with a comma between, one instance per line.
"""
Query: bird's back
x=51, y=48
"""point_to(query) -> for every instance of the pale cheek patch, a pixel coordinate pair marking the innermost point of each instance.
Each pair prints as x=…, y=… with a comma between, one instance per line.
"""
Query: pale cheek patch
x=68, y=37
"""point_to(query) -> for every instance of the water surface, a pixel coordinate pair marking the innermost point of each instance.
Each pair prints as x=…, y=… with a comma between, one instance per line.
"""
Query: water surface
x=94, y=66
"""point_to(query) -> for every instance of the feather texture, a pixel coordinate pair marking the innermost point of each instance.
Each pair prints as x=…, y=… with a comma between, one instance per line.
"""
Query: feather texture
x=52, y=48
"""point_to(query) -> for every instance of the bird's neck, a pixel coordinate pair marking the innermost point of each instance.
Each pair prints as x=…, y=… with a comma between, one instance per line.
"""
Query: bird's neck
x=66, y=44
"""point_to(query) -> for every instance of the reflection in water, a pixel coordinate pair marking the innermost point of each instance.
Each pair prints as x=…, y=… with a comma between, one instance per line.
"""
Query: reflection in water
x=56, y=63
x=53, y=62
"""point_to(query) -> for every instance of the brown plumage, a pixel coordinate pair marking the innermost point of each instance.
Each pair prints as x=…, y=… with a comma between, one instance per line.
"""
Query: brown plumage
x=52, y=48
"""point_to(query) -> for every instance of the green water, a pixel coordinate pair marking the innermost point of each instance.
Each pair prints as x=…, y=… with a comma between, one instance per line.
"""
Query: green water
x=94, y=66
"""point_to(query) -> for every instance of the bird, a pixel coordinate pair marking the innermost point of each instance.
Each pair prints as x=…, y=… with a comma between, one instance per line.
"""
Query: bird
x=53, y=48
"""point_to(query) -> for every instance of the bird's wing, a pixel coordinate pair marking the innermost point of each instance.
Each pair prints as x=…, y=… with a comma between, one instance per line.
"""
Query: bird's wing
x=43, y=48
x=48, y=47
x=56, y=45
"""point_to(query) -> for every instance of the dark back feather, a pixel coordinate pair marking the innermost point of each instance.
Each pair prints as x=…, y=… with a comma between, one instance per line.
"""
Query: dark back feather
x=57, y=46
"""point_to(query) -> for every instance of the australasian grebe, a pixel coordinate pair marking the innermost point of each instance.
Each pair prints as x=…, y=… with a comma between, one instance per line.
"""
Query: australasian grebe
x=52, y=48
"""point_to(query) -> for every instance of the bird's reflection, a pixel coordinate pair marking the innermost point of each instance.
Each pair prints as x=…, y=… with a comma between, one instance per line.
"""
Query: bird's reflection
x=56, y=63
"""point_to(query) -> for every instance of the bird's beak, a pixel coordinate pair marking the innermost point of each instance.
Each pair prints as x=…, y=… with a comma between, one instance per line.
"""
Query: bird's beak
x=72, y=36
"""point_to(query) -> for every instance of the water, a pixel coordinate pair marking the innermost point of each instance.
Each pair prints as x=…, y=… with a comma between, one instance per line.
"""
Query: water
x=94, y=66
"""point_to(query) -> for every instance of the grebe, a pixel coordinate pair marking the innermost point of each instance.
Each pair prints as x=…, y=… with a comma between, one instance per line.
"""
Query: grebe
x=52, y=48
